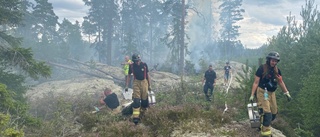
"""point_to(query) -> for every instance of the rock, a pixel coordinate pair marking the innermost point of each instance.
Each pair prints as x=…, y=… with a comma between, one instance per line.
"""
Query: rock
x=72, y=87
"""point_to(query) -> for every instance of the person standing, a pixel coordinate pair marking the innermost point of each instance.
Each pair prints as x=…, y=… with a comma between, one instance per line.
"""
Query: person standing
x=267, y=77
x=127, y=62
x=141, y=86
x=227, y=69
x=209, y=81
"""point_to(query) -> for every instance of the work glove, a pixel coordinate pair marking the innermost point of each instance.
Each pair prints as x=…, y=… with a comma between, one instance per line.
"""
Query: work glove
x=126, y=89
x=149, y=88
x=288, y=96
x=251, y=98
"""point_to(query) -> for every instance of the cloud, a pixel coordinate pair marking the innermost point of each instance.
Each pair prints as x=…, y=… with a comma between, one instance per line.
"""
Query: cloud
x=254, y=34
x=70, y=9
x=263, y=2
x=263, y=19
x=67, y=4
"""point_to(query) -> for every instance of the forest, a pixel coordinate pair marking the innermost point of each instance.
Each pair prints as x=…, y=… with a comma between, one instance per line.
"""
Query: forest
x=177, y=35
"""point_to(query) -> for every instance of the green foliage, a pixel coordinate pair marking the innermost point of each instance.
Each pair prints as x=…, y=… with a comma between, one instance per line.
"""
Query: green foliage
x=10, y=12
x=231, y=12
x=123, y=129
x=298, y=45
x=71, y=35
x=283, y=125
x=189, y=68
x=57, y=115
x=23, y=58
x=170, y=117
x=13, y=103
x=302, y=133
x=6, y=100
x=13, y=82
x=246, y=78
x=175, y=38
x=88, y=120
x=10, y=52
x=44, y=22
x=102, y=18
x=6, y=129
x=309, y=102
x=203, y=65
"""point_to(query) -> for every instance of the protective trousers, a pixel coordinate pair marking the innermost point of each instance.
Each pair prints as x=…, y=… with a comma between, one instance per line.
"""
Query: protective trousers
x=269, y=108
x=206, y=87
x=140, y=98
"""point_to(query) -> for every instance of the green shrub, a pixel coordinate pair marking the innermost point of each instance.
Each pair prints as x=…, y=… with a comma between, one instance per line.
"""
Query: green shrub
x=7, y=130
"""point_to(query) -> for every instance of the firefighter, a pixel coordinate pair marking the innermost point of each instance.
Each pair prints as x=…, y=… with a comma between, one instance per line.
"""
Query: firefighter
x=227, y=69
x=141, y=86
x=208, y=82
x=267, y=77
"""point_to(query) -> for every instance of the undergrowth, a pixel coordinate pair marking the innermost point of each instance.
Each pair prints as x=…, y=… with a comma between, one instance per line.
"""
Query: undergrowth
x=182, y=109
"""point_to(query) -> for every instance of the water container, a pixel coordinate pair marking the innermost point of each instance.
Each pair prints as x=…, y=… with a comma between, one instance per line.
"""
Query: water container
x=253, y=115
x=266, y=96
x=152, y=98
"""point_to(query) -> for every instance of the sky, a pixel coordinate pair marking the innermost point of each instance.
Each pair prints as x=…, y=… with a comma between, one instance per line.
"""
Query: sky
x=262, y=18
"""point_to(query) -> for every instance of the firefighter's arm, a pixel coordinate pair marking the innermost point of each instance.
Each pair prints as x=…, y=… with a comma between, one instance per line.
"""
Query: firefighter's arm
x=283, y=87
x=281, y=83
x=149, y=83
x=255, y=85
x=285, y=91
x=204, y=78
x=102, y=102
x=124, y=63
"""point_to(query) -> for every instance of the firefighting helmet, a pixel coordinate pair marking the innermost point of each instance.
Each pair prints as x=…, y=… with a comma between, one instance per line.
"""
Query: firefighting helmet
x=273, y=55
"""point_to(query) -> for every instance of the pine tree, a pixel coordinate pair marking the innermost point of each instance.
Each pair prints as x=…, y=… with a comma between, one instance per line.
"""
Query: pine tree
x=231, y=13
x=103, y=16
x=175, y=38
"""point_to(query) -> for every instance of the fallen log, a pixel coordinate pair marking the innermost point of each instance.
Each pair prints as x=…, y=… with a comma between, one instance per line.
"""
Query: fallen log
x=76, y=61
x=88, y=73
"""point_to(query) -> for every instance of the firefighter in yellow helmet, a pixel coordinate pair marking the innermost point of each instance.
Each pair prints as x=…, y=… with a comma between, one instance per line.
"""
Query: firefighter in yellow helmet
x=141, y=85
x=267, y=77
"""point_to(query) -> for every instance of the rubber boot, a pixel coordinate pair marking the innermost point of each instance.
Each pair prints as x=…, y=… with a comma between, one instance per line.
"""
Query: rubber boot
x=135, y=115
x=142, y=112
x=266, y=133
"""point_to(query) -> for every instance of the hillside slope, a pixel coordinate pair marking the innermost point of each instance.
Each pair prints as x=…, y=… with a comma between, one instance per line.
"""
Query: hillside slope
x=90, y=88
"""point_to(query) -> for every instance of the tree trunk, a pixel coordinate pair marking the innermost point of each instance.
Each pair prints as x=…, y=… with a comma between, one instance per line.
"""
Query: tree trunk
x=182, y=47
x=109, y=39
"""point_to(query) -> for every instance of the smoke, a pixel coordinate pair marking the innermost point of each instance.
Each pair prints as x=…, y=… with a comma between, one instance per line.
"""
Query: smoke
x=202, y=32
